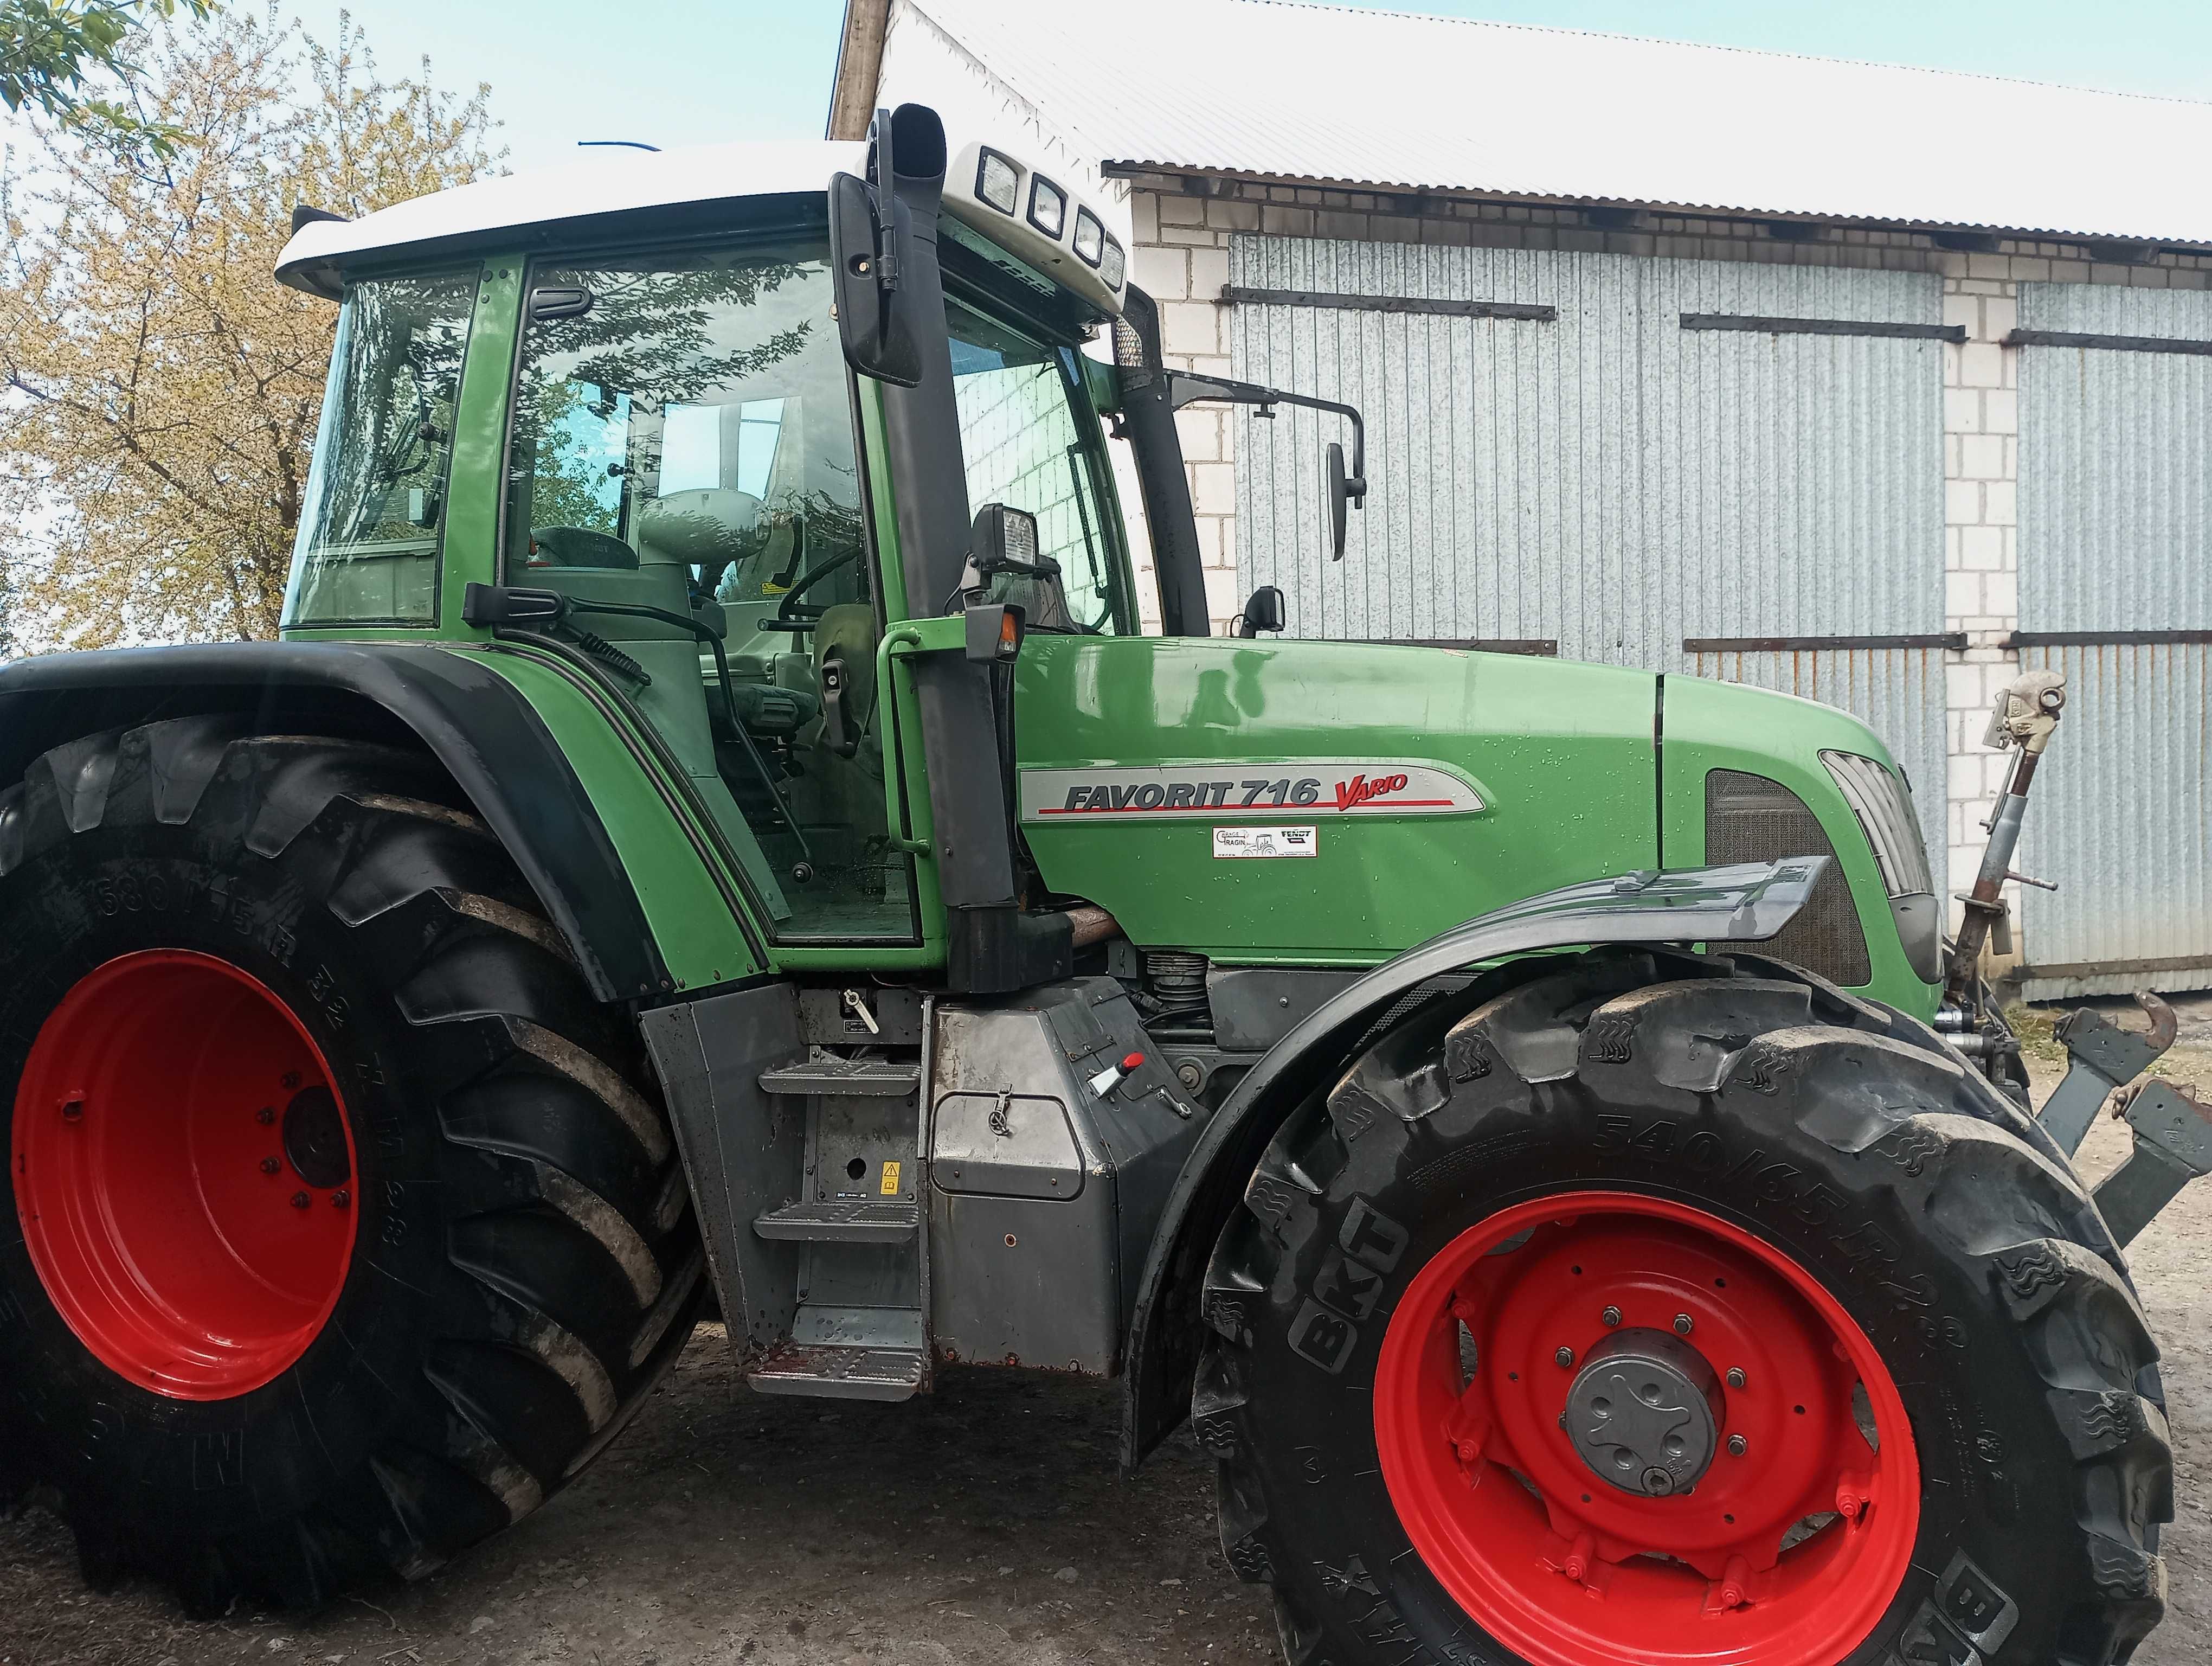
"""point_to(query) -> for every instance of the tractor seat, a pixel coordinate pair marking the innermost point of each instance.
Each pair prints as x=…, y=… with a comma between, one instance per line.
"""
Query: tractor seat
x=709, y=528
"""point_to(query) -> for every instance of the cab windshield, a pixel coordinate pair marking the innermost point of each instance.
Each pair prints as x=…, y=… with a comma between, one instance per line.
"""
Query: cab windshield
x=374, y=510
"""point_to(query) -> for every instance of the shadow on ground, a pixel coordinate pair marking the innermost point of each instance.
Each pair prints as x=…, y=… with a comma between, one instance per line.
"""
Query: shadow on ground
x=986, y=1523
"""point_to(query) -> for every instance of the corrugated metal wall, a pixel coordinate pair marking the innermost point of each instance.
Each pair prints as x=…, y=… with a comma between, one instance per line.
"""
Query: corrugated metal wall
x=1610, y=480
x=2116, y=535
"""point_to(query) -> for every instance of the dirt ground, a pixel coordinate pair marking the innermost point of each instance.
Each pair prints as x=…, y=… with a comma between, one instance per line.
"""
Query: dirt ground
x=984, y=1524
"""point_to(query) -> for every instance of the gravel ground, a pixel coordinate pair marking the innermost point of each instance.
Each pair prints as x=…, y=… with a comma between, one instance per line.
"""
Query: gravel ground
x=984, y=1524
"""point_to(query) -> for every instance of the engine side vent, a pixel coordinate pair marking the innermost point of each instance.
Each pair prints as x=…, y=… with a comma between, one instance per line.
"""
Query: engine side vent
x=1749, y=818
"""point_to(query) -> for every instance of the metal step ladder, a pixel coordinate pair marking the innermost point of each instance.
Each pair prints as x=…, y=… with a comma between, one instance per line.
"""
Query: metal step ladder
x=861, y=1328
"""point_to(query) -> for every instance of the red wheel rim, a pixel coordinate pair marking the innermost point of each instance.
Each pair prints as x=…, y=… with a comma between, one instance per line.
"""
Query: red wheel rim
x=184, y=1172
x=1571, y=1570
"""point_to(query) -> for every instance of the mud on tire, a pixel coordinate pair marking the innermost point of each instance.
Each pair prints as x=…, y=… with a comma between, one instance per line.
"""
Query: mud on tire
x=1839, y=1134
x=525, y=1263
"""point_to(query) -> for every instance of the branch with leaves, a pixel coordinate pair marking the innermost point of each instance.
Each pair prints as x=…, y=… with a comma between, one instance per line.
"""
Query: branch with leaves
x=52, y=51
x=159, y=390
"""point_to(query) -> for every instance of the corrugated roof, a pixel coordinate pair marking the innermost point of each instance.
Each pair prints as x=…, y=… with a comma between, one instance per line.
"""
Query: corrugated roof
x=1394, y=100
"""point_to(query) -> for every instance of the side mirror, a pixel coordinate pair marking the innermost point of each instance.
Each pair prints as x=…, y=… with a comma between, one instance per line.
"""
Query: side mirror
x=1344, y=491
x=1265, y=610
x=869, y=232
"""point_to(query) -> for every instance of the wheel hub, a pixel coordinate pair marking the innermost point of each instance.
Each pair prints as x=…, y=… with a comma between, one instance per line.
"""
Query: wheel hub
x=1645, y=1414
x=194, y=1245
x=315, y=1139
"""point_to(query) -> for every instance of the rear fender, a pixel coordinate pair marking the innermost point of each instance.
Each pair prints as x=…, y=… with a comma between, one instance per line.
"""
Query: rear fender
x=477, y=724
x=1748, y=902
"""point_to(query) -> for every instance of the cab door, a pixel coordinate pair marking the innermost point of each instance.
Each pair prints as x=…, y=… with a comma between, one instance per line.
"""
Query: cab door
x=684, y=441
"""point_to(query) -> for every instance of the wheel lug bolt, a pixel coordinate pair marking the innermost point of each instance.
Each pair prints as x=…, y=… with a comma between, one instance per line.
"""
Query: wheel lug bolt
x=270, y=1165
x=340, y=1198
x=1738, y=1446
x=1565, y=1357
x=1684, y=1324
x=291, y=1081
x=1735, y=1377
x=1611, y=1316
x=300, y=1199
x=266, y=1115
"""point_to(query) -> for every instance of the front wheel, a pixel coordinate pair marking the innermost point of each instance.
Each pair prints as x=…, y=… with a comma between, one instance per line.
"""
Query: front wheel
x=1631, y=1320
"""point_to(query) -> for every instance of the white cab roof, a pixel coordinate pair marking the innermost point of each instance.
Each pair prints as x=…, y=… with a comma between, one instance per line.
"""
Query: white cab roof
x=606, y=182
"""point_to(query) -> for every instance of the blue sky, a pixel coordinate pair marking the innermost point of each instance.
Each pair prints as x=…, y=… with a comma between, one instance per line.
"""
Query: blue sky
x=675, y=72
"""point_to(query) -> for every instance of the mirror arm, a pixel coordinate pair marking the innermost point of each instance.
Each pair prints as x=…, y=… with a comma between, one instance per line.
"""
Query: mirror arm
x=882, y=170
x=1185, y=387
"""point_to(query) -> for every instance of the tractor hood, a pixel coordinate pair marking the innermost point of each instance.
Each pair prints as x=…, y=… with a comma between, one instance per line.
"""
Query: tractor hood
x=1324, y=803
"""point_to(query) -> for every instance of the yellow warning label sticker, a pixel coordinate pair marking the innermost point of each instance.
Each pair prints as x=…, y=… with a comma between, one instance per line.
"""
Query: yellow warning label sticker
x=890, y=1179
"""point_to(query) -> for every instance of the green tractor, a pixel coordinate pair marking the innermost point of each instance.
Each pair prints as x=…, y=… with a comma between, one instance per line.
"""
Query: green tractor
x=714, y=836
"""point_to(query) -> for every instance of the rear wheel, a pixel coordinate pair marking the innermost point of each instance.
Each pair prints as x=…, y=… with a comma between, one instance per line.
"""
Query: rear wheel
x=343, y=1226
x=1632, y=1319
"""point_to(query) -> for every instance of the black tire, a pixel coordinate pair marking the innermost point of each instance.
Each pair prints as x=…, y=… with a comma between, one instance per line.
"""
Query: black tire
x=526, y=1264
x=2005, y=1317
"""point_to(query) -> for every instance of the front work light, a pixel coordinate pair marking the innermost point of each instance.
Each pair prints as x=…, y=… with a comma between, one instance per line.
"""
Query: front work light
x=1048, y=206
x=1114, y=264
x=1090, y=237
x=998, y=181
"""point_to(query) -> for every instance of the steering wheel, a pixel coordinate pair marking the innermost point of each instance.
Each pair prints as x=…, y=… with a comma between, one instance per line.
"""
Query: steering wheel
x=790, y=614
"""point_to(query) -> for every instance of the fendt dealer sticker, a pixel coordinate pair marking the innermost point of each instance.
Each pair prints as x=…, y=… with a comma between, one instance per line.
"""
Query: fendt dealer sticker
x=1314, y=785
x=1246, y=842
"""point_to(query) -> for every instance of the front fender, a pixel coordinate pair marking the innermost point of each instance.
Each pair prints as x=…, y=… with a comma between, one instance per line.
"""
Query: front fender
x=478, y=725
x=1748, y=902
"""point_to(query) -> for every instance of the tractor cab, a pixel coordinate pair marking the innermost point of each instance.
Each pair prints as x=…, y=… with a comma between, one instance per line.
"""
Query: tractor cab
x=632, y=396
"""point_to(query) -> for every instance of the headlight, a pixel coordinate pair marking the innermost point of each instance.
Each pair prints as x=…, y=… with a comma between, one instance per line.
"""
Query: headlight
x=1090, y=236
x=1048, y=206
x=998, y=180
x=1883, y=804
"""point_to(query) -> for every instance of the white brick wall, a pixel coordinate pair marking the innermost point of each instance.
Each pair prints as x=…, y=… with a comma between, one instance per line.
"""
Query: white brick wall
x=1981, y=544
x=1181, y=257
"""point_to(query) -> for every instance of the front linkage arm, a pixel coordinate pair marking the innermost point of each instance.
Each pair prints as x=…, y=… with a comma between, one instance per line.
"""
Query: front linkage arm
x=2172, y=1127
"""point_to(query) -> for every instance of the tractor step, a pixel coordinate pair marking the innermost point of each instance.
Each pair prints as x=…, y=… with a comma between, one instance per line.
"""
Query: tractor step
x=845, y=1220
x=863, y=1078
x=835, y=1372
